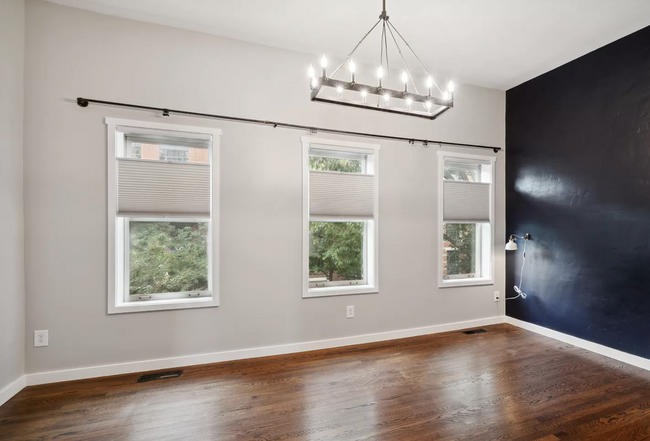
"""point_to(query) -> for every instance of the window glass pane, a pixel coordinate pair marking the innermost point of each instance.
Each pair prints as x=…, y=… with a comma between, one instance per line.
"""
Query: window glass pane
x=168, y=257
x=462, y=171
x=460, y=250
x=336, y=251
x=162, y=152
x=336, y=164
x=174, y=153
x=135, y=150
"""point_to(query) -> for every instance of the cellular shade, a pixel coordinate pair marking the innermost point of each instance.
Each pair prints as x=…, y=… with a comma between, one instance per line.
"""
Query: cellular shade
x=341, y=194
x=162, y=188
x=466, y=202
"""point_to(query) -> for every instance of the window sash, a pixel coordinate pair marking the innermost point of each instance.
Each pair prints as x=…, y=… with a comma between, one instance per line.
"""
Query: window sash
x=124, y=232
x=364, y=280
x=479, y=255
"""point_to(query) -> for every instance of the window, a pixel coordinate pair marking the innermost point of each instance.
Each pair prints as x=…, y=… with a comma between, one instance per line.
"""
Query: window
x=174, y=153
x=162, y=216
x=340, y=217
x=466, y=213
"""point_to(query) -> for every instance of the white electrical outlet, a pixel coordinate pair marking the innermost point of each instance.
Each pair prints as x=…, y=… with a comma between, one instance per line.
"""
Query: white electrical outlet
x=351, y=311
x=41, y=338
x=497, y=296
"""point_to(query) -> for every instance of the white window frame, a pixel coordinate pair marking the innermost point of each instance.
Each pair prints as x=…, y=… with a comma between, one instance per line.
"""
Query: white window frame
x=371, y=233
x=487, y=245
x=118, y=298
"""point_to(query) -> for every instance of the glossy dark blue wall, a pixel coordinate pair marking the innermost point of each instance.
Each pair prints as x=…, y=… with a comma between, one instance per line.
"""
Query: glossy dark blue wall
x=578, y=180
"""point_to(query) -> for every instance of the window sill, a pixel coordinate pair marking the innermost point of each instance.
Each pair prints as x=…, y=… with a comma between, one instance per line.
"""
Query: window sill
x=339, y=291
x=163, y=305
x=465, y=282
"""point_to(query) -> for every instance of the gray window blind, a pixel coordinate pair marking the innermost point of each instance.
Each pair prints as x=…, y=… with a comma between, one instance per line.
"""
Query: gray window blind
x=341, y=194
x=158, y=188
x=466, y=202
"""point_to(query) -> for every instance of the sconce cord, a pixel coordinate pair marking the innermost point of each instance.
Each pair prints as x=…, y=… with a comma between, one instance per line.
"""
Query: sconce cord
x=518, y=290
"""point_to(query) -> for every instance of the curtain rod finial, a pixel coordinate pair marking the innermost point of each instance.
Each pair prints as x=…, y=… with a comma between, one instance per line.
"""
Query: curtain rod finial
x=82, y=102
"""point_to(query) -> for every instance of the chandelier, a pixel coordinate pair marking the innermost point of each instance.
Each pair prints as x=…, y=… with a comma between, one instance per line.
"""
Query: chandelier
x=329, y=89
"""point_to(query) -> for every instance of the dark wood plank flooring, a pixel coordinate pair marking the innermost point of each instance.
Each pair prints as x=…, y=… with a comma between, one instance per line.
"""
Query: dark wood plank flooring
x=506, y=384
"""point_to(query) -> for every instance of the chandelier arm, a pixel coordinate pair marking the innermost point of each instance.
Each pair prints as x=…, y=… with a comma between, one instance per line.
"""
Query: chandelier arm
x=414, y=54
x=355, y=48
x=406, y=67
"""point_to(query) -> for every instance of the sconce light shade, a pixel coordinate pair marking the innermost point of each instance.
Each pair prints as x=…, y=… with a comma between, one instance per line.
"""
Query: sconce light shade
x=512, y=245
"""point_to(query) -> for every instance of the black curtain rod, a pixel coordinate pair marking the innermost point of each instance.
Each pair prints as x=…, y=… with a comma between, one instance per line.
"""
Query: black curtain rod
x=84, y=102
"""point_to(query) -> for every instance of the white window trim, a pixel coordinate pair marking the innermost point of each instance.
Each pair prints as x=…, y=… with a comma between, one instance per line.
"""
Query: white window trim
x=371, y=250
x=471, y=281
x=117, y=305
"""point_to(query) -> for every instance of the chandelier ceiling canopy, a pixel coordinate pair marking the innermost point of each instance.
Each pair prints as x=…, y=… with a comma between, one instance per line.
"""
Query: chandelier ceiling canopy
x=327, y=88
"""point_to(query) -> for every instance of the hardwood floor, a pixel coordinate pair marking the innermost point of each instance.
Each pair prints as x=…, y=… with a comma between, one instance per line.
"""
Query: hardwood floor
x=506, y=384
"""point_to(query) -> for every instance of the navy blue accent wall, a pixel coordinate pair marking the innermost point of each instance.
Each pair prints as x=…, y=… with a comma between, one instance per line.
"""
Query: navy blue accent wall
x=578, y=180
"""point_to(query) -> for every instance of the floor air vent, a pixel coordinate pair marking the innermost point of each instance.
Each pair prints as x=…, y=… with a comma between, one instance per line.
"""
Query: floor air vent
x=159, y=376
x=474, y=331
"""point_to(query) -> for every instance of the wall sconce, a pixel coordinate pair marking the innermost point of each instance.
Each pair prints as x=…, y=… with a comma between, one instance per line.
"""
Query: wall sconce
x=512, y=246
x=512, y=243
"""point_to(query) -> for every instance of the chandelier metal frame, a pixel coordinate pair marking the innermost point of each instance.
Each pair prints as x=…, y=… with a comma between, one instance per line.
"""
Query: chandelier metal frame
x=415, y=104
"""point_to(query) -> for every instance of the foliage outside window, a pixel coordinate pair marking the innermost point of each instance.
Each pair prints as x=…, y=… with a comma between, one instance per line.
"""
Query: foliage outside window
x=167, y=257
x=459, y=255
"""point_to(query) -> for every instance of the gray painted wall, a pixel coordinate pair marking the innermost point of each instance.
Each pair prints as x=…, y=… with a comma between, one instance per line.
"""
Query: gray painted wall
x=12, y=275
x=74, y=53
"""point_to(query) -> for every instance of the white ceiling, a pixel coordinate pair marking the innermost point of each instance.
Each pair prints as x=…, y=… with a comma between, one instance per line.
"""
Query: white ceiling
x=490, y=43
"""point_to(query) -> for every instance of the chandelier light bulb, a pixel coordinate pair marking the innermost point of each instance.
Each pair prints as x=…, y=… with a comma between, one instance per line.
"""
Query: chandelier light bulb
x=310, y=71
x=380, y=72
x=445, y=96
x=352, y=66
x=409, y=101
x=323, y=62
x=428, y=104
x=429, y=82
x=405, y=77
x=339, y=90
x=364, y=96
x=451, y=87
x=314, y=82
x=386, y=98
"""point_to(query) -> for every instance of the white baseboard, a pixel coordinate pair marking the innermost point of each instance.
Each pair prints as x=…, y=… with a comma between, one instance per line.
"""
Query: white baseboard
x=215, y=357
x=12, y=389
x=634, y=360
